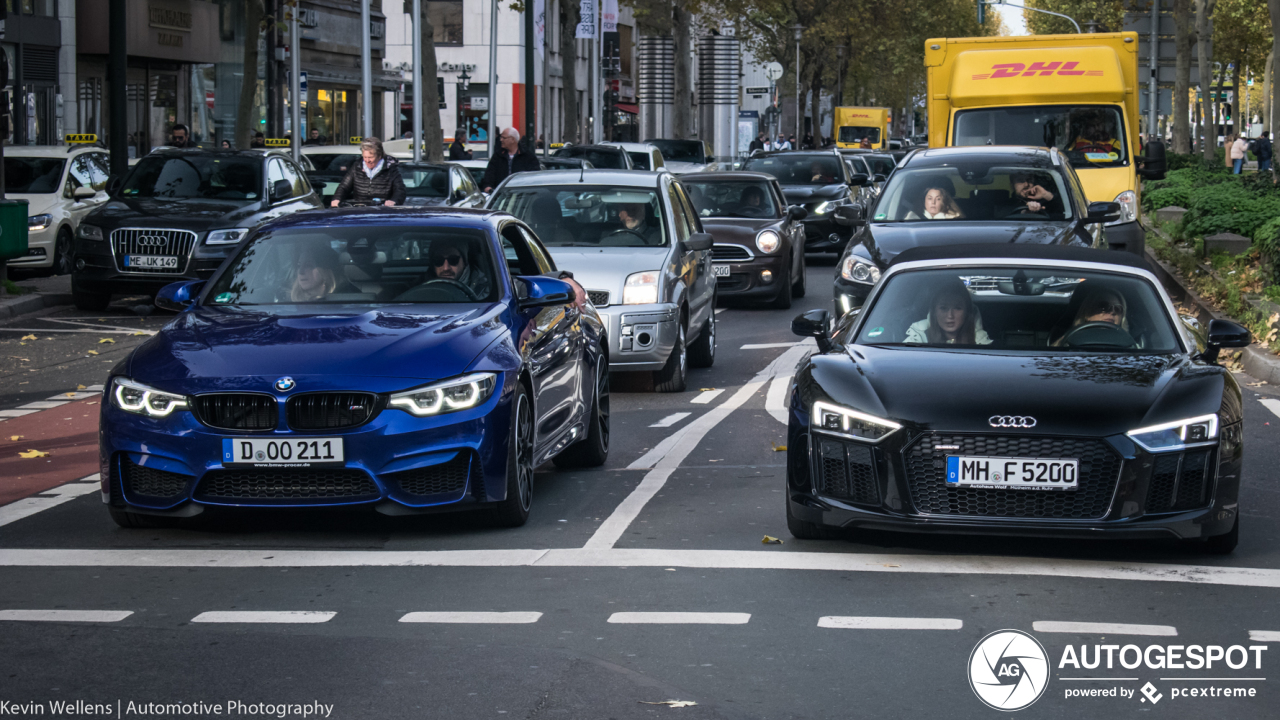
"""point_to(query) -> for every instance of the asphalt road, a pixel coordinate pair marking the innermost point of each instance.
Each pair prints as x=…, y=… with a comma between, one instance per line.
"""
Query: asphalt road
x=642, y=582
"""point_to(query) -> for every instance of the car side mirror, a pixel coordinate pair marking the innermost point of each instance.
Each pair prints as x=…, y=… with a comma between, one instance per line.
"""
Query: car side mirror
x=879, y=178
x=281, y=189
x=1103, y=212
x=710, y=159
x=83, y=193
x=542, y=291
x=1154, y=164
x=698, y=242
x=814, y=324
x=1224, y=334
x=858, y=179
x=797, y=213
x=179, y=296
x=851, y=215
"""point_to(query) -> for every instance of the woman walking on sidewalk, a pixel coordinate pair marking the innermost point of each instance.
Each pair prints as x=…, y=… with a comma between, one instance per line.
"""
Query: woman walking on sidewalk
x=1238, y=150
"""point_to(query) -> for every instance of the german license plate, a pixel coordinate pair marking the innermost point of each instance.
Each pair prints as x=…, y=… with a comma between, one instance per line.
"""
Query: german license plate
x=1013, y=473
x=719, y=271
x=151, y=262
x=295, y=452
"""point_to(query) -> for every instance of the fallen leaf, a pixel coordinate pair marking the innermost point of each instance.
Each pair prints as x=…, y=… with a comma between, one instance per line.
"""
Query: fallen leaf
x=16, y=438
x=106, y=340
x=778, y=448
x=702, y=390
x=80, y=387
x=29, y=337
x=139, y=333
x=22, y=343
x=1260, y=382
x=93, y=352
x=670, y=703
x=770, y=540
x=70, y=394
x=31, y=454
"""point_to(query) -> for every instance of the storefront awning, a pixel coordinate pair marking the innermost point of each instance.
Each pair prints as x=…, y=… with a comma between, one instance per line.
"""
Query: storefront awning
x=628, y=108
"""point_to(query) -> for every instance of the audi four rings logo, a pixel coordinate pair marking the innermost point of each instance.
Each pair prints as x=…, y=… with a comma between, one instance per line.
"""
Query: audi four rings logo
x=151, y=240
x=1012, y=421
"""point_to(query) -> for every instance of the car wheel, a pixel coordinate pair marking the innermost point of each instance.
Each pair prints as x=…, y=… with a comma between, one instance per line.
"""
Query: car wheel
x=1224, y=544
x=783, y=301
x=801, y=285
x=702, y=354
x=86, y=300
x=593, y=450
x=671, y=377
x=805, y=530
x=62, y=253
x=514, y=511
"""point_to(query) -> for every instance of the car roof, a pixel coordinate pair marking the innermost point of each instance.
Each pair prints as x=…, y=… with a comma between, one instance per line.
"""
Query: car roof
x=602, y=146
x=49, y=151
x=779, y=153
x=475, y=218
x=728, y=175
x=331, y=149
x=244, y=153
x=590, y=176
x=1016, y=251
x=633, y=146
x=1037, y=157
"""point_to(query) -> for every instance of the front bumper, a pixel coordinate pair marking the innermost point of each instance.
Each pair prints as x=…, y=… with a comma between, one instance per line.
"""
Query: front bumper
x=41, y=245
x=395, y=460
x=1128, y=237
x=747, y=279
x=849, y=295
x=643, y=335
x=98, y=270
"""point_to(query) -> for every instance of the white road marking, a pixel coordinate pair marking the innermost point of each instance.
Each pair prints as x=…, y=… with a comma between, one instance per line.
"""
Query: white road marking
x=64, y=615
x=1265, y=635
x=501, y=618
x=75, y=395
x=769, y=346
x=1091, y=628
x=52, y=497
x=1272, y=405
x=264, y=616
x=775, y=401
x=103, y=331
x=720, y=310
x=680, y=618
x=889, y=623
x=706, y=396
x=43, y=405
x=671, y=419
x=94, y=389
x=100, y=325
x=15, y=413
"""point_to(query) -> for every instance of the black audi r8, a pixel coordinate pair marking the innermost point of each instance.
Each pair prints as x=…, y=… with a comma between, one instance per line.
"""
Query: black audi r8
x=1009, y=389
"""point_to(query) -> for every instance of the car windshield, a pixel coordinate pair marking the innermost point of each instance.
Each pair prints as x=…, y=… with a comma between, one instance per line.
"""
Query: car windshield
x=604, y=159
x=591, y=216
x=1089, y=135
x=856, y=134
x=741, y=199
x=360, y=265
x=690, y=151
x=880, y=164
x=333, y=163
x=425, y=180
x=980, y=192
x=204, y=176
x=799, y=169
x=33, y=175
x=1020, y=308
x=640, y=160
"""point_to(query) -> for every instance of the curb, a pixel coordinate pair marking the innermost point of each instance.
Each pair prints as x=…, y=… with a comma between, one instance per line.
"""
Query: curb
x=11, y=307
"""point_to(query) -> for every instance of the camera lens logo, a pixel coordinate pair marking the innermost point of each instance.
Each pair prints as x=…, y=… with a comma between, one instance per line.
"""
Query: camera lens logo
x=1008, y=670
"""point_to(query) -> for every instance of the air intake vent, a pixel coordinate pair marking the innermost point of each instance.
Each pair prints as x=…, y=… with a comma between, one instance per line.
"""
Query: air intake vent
x=237, y=411
x=331, y=411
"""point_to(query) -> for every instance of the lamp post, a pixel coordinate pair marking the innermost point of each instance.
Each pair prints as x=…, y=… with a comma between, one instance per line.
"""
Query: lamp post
x=366, y=71
x=464, y=80
x=799, y=30
x=839, y=75
x=417, y=77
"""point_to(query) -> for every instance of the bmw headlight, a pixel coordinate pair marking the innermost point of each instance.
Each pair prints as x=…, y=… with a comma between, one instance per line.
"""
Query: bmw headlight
x=89, y=232
x=1128, y=207
x=225, y=237
x=641, y=288
x=843, y=421
x=858, y=270
x=139, y=399
x=1177, y=434
x=768, y=241
x=447, y=396
x=36, y=223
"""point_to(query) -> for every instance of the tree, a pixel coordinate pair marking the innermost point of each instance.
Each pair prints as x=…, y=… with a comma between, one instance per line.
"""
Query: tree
x=1273, y=8
x=1108, y=13
x=1184, y=38
x=253, y=19
x=569, y=19
x=1209, y=126
x=432, y=135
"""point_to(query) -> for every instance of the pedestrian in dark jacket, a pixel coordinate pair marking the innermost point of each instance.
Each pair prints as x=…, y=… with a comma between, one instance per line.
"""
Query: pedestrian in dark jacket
x=510, y=159
x=376, y=178
x=1263, y=151
x=458, y=151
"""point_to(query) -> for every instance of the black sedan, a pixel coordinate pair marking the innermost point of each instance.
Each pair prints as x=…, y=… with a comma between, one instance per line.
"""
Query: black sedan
x=176, y=215
x=605, y=157
x=759, y=241
x=820, y=182
x=439, y=184
x=1021, y=390
x=951, y=196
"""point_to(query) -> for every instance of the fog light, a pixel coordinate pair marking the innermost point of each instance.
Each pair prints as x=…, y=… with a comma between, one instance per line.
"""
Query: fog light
x=766, y=276
x=80, y=264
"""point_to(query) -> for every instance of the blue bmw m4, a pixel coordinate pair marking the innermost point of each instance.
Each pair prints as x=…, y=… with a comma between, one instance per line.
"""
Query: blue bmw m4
x=407, y=360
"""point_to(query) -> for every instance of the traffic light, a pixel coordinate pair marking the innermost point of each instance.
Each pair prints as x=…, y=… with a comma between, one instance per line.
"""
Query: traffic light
x=982, y=12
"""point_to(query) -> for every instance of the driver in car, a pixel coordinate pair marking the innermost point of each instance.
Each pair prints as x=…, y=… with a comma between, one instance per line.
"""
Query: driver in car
x=448, y=261
x=752, y=201
x=635, y=218
x=1100, y=305
x=1030, y=196
x=822, y=172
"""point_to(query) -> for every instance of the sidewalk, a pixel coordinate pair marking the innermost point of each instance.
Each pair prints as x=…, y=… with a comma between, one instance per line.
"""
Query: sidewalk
x=44, y=292
x=68, y=433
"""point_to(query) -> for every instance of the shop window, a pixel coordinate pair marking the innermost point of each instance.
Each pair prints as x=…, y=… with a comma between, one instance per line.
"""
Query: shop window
x=445, y=17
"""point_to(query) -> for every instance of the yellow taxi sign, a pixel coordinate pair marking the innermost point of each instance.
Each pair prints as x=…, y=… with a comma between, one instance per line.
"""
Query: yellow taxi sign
x=554, y=146
x=356, y=139
x=81, y=138
x=277, y=142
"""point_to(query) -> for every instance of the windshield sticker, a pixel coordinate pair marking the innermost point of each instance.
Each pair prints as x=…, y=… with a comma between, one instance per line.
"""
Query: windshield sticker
x=1101, y=156
x=876, y=332
x=223, y=298
x=881, y=216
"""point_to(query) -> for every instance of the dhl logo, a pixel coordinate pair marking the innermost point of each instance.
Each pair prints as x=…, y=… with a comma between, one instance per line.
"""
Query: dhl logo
x=1008, y=70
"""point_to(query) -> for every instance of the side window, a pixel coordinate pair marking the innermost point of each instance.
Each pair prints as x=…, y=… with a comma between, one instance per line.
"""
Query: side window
x=540, y=256
x=516, y=251
x=296, y=179
x=679, y=222
x=275, y=171
x=78, y=176
x=690, y=213
x=99, y=169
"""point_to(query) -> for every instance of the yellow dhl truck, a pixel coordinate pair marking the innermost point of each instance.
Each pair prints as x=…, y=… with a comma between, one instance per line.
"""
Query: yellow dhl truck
x=1076, y=93
x=855, y=123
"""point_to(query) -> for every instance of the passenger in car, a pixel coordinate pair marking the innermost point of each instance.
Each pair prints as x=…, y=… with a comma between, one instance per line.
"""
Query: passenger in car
x=316, y=275
x=448, y=261
x=938, y=205
x=952, y=319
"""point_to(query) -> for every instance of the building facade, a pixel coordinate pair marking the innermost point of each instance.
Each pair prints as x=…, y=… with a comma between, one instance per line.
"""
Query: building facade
x=33, y=44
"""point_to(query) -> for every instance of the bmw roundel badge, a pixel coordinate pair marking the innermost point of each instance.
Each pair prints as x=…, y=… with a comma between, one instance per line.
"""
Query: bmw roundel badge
x=285, y=384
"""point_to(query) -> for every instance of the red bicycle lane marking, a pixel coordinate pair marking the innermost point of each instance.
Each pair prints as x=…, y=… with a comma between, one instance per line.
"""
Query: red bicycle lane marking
x=69, y=433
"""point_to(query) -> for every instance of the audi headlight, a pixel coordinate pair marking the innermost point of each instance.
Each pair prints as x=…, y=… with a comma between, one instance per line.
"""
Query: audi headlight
x=822, y=207
x=1177, y=434
x=447, y=396
x=89, y=232
x=36, y=223
x=768, y=241
x=1128, y=207
x=641, y=288
x=139, y=399
x=858, y=270
x=225, y=237
x=843, y=421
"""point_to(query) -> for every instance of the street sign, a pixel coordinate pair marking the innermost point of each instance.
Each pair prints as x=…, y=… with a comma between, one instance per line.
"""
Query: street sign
x=764, y=90
x=773, y=71
x=302, y=82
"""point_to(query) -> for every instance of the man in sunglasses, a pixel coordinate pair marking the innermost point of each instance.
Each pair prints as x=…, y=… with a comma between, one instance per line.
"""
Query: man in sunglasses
x=448, y=260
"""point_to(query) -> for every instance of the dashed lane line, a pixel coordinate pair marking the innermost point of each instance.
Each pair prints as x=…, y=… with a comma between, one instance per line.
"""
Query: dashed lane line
x=472, y=618
x=680, y=618
x=72, y=616
x=1264, y=635
x=52, y=497
x=1095, y=628
x=286, y=617
x=1272, y=405
x=769, y=346
x=775, y=401
x=706, y=396
x=889, y=623
x=671, y=419
x=50, y=402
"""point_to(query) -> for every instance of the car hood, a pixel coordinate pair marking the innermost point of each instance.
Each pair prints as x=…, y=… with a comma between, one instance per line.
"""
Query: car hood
x=187, y=214
x=680, y=168
x=1085, y=395
x=425, y=342
x=607, y=268
x=801, y=194
x=737, y=230
x=884, y=241
x=37, y=203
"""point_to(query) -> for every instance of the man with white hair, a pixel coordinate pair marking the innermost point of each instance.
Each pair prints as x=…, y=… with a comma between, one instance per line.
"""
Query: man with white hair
x=509, y=159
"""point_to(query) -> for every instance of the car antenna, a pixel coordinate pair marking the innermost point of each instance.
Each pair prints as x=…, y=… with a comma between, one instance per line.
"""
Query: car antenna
x=582, y=170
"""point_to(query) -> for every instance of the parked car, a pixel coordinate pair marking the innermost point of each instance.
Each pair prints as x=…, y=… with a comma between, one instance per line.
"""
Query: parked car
x=608, y=157
x=981, y=184
x=289, y=381
x=475, y=167
x=1017, y=390
x=635, y=242
x=759, y=242
x=446, y=184
x=819, y=181
x=176, y=215
x=644, y=156
x=686, y=156
x=61, y=185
